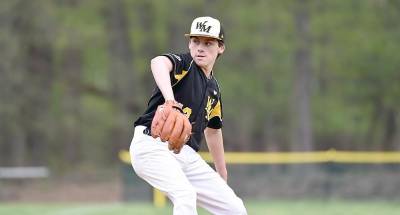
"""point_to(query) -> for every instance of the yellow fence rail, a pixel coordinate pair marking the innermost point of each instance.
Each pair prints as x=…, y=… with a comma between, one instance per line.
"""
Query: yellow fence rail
x=351, y=157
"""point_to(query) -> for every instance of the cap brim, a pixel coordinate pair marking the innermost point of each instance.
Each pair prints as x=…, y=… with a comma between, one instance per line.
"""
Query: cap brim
x=202, y=35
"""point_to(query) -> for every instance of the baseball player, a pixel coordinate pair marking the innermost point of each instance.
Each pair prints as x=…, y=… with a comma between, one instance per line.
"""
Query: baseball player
x=186, y=105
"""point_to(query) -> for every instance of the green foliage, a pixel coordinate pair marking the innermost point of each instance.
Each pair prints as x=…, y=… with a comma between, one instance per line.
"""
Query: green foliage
x=85, y=100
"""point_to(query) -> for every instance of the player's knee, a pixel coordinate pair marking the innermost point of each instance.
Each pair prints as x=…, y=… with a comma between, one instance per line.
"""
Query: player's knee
x=186, y=194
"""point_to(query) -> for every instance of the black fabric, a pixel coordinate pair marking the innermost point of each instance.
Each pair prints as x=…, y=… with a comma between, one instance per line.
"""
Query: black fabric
x=198, y=94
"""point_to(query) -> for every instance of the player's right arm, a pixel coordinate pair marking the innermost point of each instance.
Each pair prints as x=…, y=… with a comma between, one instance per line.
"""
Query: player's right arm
x=161, y=66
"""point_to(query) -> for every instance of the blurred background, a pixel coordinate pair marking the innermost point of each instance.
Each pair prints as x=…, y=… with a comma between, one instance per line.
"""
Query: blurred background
x=296, y=76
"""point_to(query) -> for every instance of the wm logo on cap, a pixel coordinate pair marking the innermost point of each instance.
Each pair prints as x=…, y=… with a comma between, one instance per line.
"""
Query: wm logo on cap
x=202, y=27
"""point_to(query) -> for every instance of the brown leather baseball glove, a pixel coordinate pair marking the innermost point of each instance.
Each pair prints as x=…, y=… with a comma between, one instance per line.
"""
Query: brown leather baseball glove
x=172, y=125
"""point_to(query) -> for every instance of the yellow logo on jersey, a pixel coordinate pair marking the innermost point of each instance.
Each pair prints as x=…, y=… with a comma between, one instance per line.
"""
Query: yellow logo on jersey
x=216, y=111
x=178, y=77
x=210, y=101
x=187, y=111
x=213, y=111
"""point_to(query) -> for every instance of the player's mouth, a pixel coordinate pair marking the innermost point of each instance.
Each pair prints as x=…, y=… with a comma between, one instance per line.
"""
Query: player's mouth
x=200, y=57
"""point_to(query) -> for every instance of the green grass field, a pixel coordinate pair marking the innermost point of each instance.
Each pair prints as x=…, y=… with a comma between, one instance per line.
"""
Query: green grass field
x=254, y=208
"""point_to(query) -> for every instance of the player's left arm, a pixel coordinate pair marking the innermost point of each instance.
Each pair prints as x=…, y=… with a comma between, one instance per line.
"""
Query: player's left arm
x=215, y=145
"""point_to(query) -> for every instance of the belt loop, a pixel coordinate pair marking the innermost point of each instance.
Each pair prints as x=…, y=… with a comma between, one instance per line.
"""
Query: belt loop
x=146, y=131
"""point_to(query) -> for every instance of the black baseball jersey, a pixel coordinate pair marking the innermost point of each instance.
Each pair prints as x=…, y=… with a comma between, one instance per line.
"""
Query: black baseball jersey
x=200, y=96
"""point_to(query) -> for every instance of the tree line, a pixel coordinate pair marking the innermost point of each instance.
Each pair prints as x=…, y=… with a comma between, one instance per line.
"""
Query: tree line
x=296, y=75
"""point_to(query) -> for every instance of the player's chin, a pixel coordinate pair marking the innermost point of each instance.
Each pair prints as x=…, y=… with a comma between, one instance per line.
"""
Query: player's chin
x=200, y=62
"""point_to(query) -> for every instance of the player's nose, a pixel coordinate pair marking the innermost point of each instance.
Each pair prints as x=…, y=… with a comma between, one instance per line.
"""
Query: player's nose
x=200, y=49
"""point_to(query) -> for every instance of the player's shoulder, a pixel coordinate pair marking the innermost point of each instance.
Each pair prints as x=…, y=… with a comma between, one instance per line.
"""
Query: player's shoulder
x=183, y=58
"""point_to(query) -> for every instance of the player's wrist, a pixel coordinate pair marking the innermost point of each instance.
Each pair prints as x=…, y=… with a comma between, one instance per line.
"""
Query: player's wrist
x=174, y=104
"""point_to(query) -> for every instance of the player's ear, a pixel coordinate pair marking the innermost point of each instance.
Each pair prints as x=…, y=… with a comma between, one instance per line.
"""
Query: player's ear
x=189, y=42
x=221, y=47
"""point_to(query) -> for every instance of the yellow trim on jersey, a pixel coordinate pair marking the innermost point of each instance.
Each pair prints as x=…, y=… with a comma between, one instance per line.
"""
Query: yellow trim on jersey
x=216, y=111
x=178, y=77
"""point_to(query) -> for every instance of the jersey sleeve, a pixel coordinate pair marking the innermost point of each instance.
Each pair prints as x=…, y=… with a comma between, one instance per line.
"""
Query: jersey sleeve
x=181, y=64
x=215, y=119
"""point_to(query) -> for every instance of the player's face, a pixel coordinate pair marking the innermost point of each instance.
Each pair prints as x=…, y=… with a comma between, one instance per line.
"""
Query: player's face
x=205, y=50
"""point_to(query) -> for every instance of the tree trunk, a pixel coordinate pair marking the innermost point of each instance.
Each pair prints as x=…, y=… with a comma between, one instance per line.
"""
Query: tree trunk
x=72, y=64
x=122, y=76
x=396, y=140
x=390, y=130
x=147, y=16
x=36, y=64
x=302, y=137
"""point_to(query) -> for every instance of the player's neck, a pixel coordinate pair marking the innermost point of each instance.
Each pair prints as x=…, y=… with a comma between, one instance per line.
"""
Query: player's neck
x=207, y=70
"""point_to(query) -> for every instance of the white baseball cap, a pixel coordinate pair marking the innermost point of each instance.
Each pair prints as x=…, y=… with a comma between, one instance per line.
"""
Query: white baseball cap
x=206, y=27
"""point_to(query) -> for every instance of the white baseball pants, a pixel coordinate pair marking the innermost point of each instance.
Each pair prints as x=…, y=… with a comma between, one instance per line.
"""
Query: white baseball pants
x=185, y=177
